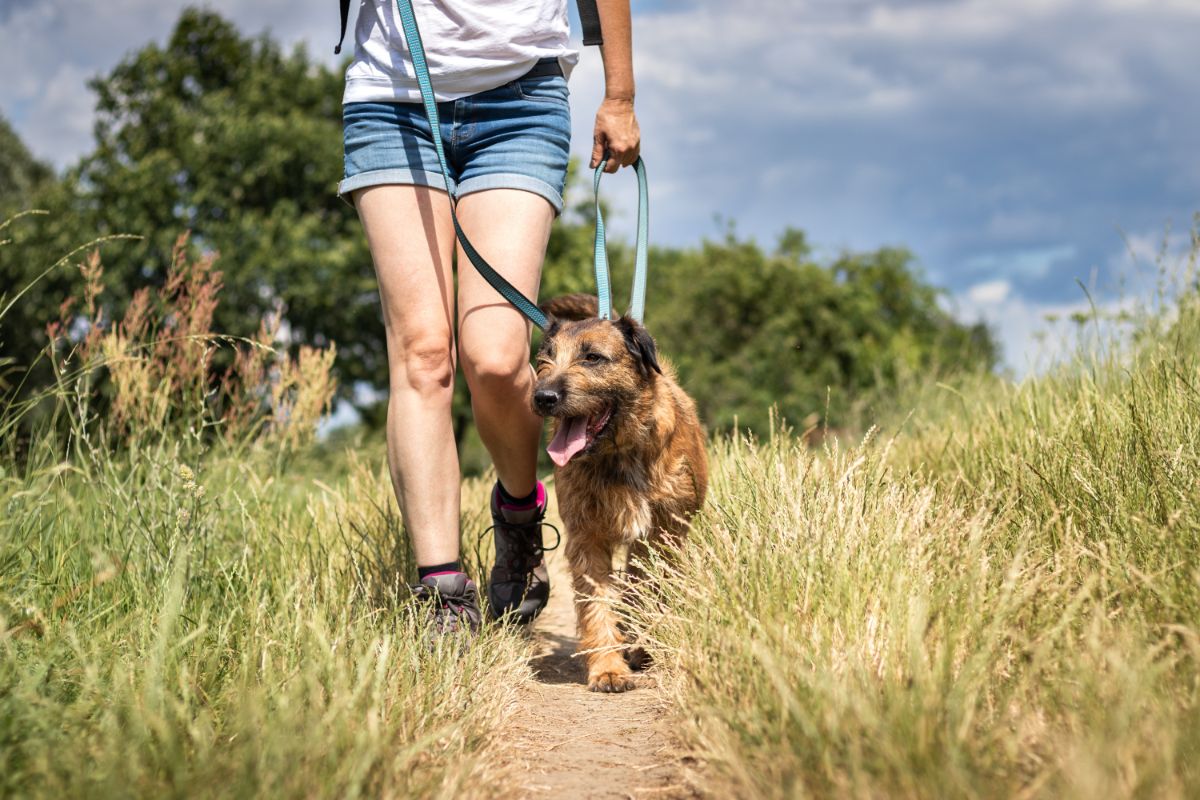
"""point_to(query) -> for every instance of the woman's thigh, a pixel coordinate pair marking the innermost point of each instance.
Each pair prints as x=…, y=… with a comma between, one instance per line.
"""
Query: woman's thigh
x=510, y=228
x=515, y=151
x=411, y=238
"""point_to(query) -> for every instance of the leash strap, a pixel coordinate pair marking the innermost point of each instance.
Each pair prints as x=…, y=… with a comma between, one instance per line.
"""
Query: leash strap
x=589, y=20
x=416, y=49
x=637, y=301
x=345, y=15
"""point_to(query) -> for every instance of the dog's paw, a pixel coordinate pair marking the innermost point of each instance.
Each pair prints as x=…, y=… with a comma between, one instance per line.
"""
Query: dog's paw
x=610, y=682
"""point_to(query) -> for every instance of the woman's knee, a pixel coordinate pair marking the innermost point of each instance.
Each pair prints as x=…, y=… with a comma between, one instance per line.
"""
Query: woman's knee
x=496, y=369
x=425, y=366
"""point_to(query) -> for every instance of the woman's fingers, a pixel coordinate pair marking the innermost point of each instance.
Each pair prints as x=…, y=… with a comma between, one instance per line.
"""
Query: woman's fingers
x=598, y=147
x=617, y=133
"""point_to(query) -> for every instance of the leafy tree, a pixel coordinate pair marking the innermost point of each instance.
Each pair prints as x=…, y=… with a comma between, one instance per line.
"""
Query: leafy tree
x=749, y=330
x=239, y=142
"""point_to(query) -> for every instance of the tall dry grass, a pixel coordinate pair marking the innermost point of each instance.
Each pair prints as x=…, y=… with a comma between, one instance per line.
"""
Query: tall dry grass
x=185, y=613
x=153, y=373
x=999, y=600
x=212, y=630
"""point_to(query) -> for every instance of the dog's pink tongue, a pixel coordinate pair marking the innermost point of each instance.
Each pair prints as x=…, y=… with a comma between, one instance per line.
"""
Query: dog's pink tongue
x=570, y=439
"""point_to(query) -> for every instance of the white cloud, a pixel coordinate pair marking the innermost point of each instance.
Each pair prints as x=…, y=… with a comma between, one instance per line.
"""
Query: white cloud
x=1152, y=269
x=1157, y=265
x=1164, y=249
x=62, y=119
x=989, y=293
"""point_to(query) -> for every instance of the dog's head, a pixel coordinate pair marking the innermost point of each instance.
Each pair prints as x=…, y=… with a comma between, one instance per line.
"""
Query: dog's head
x=592, y=376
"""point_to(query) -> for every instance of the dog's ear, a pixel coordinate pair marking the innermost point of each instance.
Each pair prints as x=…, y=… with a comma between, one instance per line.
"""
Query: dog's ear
x=640, y=345
x=553, y=326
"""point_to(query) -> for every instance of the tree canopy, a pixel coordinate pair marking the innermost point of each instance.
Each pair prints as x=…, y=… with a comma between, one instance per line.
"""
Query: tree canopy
x=749, y=329
x=233, y=139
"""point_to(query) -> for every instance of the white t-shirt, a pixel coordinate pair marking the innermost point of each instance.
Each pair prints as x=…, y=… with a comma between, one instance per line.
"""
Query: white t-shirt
x=471, y=46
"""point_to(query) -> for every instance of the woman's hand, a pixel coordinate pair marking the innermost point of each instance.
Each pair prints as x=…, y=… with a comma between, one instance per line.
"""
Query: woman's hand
x=617, y=133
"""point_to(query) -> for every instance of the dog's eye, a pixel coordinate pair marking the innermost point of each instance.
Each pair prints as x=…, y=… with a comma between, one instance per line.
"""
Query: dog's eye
x=594, y=358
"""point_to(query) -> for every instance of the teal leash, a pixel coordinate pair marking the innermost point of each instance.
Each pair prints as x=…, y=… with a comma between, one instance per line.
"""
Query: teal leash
x=412, y=35
x=637, y=301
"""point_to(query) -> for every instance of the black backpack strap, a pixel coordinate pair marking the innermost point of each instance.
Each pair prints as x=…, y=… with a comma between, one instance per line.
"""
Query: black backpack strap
x=346, y=14
x=589, y=19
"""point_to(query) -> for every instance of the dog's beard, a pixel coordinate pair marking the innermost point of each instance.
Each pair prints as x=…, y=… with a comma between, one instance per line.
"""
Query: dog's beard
x=575, y=434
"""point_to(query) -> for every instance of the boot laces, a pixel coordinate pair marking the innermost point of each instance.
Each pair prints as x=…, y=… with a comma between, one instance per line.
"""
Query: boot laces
x=448, y=609
x=526, y=548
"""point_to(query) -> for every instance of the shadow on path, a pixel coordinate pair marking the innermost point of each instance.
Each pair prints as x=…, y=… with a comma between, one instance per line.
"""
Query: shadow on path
x=558, y=665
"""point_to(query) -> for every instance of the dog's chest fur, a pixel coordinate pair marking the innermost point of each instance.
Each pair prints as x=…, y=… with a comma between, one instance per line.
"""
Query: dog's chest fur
x=650, y=485
x=605, y=503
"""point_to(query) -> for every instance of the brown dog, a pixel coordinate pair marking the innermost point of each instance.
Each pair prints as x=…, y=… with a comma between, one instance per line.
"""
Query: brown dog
x=630, y=464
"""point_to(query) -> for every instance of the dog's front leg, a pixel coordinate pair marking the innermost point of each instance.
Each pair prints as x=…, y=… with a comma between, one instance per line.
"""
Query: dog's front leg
x=599, y=635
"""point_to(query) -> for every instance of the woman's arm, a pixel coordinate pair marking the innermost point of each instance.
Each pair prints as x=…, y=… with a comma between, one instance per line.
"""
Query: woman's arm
x=616, y=125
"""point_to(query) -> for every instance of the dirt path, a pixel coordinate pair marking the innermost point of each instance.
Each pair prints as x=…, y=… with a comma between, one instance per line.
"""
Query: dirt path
x=572, y=743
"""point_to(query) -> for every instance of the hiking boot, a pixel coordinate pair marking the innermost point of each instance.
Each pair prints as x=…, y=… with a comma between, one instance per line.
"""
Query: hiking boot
x=520, y=585
x=454, y=603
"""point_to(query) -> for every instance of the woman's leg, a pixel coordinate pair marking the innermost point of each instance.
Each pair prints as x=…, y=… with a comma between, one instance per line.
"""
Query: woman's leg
x=510, y=228
x=411, y=238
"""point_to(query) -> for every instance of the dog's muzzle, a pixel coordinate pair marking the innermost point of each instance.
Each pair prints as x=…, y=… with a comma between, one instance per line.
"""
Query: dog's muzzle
x=544, y=400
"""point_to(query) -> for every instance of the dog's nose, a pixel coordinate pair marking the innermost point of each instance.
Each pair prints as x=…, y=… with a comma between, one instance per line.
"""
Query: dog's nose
x=545, y=399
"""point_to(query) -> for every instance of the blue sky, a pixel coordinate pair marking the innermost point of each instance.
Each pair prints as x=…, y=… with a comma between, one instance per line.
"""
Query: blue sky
x=1016, y=147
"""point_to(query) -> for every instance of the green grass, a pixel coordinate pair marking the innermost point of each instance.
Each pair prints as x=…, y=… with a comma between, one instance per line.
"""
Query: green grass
x=1001, y=599
x=197, y=600
x=214, y=628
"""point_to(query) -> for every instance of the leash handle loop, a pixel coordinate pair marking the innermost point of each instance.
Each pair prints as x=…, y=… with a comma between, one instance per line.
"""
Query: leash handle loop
x=637, y=300
x=416, y=50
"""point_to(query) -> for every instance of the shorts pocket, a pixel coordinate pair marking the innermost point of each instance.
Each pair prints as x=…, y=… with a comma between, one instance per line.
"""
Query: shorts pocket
x=550, y=89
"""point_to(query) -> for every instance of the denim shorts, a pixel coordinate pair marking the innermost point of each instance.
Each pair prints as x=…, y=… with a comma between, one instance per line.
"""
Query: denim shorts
x=516, y=136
